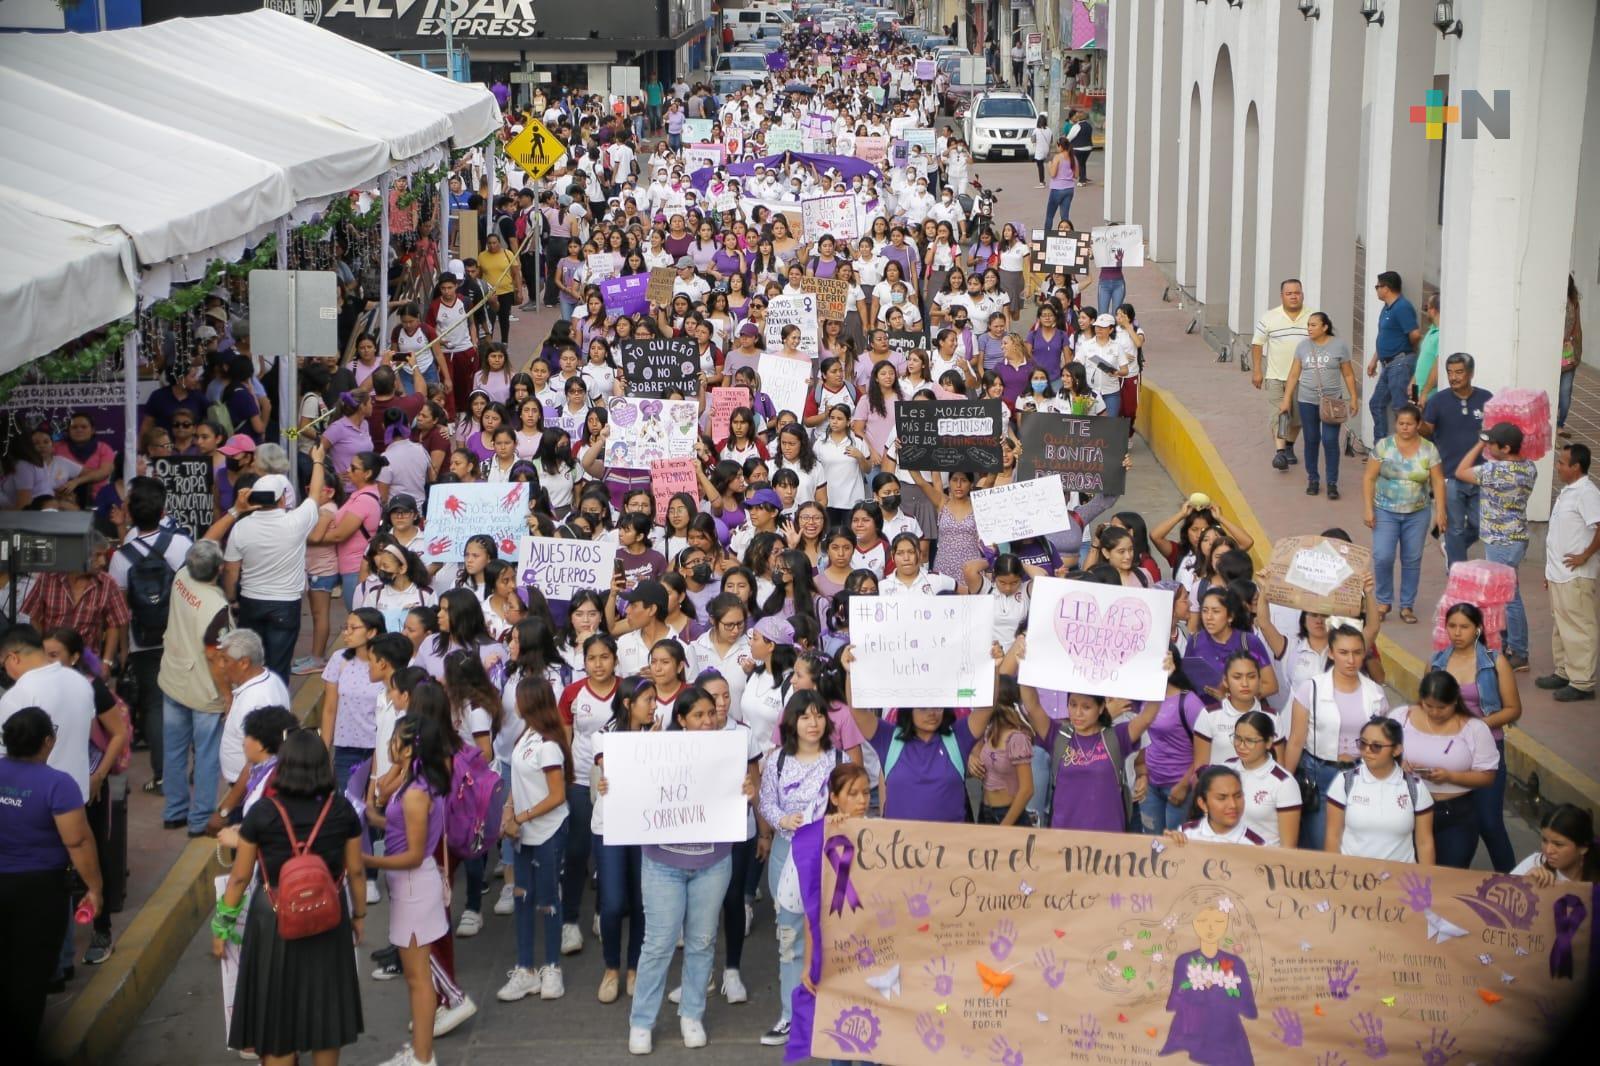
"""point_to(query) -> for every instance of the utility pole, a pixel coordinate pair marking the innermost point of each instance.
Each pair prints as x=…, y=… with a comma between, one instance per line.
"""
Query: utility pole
x=449, y=41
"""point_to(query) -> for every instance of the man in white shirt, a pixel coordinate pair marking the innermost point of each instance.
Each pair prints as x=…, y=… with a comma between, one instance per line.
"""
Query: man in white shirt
x=61, y=692
x=1278, y=333
x=254, y=687
x=264, y=569
x=1570, y=548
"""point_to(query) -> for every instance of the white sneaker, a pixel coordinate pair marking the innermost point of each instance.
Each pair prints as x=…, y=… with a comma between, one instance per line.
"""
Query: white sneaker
x=571, y=939
x=639, y=1041
x=733, y=987
x=676, y=995
x=596, y=926
x=403, y=1058
x=471, y=924
x=507, y=903
x=522, y=982
x=694, y=1034
x=551, y=986
x=448, y=1019
x=372, y=890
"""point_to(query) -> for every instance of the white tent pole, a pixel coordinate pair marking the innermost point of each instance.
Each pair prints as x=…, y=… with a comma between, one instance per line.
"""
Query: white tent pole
x=382, y=317
x=288, y=409
x=444, y=217
x=130, y=402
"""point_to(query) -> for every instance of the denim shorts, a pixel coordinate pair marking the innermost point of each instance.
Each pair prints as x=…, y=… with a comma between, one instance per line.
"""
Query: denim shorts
x=324, y=583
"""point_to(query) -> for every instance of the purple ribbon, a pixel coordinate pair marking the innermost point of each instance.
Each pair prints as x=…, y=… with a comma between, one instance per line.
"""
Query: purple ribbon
x=840, y=853
x=1569, y=914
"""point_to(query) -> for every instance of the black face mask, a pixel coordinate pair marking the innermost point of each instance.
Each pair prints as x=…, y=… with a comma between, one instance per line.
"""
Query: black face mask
x=701, y=573
x=594, y=517
x=889, y=503
x=386, y=578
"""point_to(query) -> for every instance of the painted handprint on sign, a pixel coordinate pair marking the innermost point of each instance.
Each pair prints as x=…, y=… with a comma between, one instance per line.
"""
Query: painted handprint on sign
x=944, y=978
x=1370, y=1028
x=1052, y=971
x=1290, y=1032
x=1002, y=938
x=1341, y=980
x=918, y=905
x=931, y=1031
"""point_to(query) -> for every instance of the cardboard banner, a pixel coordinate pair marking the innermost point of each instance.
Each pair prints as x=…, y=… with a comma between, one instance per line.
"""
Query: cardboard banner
x=456, y=512
x=817, y=126
x=561, y=568
x=189, y=500
x=1109, y=241
x=659, y=290
x=643, y=431
x=699, y=156
x=873, y=149
x=1087, y=452
x=830, y=216
x=831, y=293
x=628, y=295
x=675, y=788
x=696, y=130
x=922, y=651
x=786, y=381
x=939, y=943
x=782, y=140
x=1072, y=253
x=725, y=401
x=668, y=477
x=792, y=311
x=660, y=366
x=1020, y=509
x=603, y=265
x=1317, y=574
x=950, y=435
x=1101, y=640
x=920, y=136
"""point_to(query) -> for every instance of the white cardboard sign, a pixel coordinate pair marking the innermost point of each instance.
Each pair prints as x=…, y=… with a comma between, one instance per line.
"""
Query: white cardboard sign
x=1109, y=240
x=1100, y=640
x=835, y=216
x=675, y=787
x=1020, y=509
x=922, y=651
x=560, y=568
x=786, y=381
x=799, y=311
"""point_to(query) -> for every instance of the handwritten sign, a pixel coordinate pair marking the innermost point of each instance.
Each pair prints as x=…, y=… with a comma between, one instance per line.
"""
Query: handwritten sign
x=817, y=126
x=1317, y=574
x=696, y=130
x=643, y=431
x=659, y=290
x=873, y=149
x=1020, y=509
x=675, y=788
x=1071, y=253
x=830, y=216
x=801, y=311
x=1112, y=241
x=831, y=293
x=1099, y=639
x=627, y=295
x=724, y=401
x=922, y=651
x=699, y=156
x=1041, y=946
x=786, y=381
x=603, y=265
x=1087, y=452
x=950, y=435
x=456, y=512
x=926, y=69
x=668, y=477
x=782, y=140
x=189, y=500
x=918, y=136
x=562, y=568
x=660, y=366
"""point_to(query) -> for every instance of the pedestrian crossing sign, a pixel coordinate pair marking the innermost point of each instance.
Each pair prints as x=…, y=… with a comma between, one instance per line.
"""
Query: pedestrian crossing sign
x=535, y=149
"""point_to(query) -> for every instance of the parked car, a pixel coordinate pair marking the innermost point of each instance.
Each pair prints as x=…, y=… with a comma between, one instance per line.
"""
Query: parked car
x=1000, y=123
x=739, y=60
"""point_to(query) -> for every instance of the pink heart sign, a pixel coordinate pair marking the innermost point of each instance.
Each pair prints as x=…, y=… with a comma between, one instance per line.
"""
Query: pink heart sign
x=1101, y=640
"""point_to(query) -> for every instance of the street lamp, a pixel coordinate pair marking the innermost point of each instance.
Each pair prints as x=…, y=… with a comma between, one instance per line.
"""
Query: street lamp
x=1372, y=12
x=1309, y=9
x=1444, y=19
x=1236, y=3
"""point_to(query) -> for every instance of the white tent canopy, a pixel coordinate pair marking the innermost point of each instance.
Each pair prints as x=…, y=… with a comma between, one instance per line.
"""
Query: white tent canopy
x=189, y=137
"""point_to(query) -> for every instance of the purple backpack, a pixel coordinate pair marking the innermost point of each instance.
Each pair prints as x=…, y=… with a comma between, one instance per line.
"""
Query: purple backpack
x=467, y=832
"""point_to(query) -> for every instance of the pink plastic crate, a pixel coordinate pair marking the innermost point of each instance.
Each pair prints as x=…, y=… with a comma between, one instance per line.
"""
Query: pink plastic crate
x=1480, y=582
x=1529, y=411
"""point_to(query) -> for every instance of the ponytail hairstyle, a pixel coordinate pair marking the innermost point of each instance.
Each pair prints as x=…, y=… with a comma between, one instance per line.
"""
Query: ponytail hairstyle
x=843, y=776
x=826, y=674
x=373, y=619
x=1238, y=617
x=1577, y=825
x=1471, y=613
x=1202, y=786
x=1262, y=723
x=467, y=684
x=395, y=426
x=352, y=401
x=430, y=754
x=428, y=700
x=1439, y=686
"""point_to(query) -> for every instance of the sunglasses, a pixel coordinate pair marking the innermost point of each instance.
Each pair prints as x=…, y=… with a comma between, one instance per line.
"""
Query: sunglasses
x=1372, y=746
x=183, y=425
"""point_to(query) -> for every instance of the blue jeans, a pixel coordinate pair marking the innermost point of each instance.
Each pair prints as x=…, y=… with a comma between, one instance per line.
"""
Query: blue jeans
x=1158, y=813
x=1461, y=521
x=677, y=901
x=1394, y=383
x=277, y=623
x=180, y=727
x=539, y=879
x=1039, y=806
x=1407, y=534
x=580, y=838
x=1516, y=616
x=1314, y=824
x=675, y=141
x=620, y=897
x=1455, y=831
x=345, y=760
x=430, y=375
x=1319, y=434
x=1112, y=292
x=1564, y=400
x=791, y=928
x=1489, y=808
x=1060, y=201
x=1113, y=402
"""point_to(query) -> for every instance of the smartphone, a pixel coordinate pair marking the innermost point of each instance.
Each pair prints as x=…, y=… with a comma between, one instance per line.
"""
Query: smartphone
x=262, y=499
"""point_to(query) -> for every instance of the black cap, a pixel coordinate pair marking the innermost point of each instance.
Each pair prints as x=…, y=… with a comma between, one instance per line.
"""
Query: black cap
x=401, y=501
x=1505, y=434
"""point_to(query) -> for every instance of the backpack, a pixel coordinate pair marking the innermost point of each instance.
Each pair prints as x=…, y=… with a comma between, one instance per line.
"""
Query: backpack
x=149, y=589
x=951, y=749
x=467, y=833
x=218, y=412
x=1108, y=736
x=838, y=760
x=1410, y=779
x=307, y=900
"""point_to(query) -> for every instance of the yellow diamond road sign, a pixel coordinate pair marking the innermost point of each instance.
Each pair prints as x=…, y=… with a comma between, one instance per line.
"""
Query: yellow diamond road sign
x=535, y=149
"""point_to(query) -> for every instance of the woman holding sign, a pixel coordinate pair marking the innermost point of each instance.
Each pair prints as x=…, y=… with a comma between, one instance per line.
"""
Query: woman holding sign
x=958, y=526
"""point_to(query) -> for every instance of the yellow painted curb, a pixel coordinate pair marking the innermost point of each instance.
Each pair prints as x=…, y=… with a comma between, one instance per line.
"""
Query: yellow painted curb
x=148, y=951
x=1179, y=441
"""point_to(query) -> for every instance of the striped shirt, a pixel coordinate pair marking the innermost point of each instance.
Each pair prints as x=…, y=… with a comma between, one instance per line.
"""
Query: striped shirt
x=1279, y=336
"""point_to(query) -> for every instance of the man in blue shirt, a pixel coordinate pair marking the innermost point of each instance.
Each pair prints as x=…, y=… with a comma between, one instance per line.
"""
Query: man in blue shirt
x=1395, y=350
x=1453, y=420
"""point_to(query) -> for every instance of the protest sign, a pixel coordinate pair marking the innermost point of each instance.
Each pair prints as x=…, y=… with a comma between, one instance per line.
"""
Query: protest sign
x=603, y=265
x=643, y=431
x=52, y=405
x=668, y=477
x=627, y=295
x=660, y=365
x=561, y=568
x=189, y=501
x=1072, y=252
x=786, y=381
x=873, y=149
x=724, y=401
x=830, y=216
x=1032, y=946
x=1109, y=241
x=696, y=130
x=781, y=140
x=922, y=651
x=1102, y=640
x=792, y=311
x=899, y=153
x=697, y=156
x=950, y=435
x=1317, y=574
x=659, y=291
x=456, y=512
x=817, y=126
x=926, y=69
x=1087, y=452
x=675, y=787
x=919, y=136
x=831, y=293
x=1020, y=509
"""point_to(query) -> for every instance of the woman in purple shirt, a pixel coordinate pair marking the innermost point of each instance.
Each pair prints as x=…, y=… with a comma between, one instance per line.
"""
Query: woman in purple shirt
x=1226, y=626
x=1170, y=754
x=728, y=260
x=1046, y=342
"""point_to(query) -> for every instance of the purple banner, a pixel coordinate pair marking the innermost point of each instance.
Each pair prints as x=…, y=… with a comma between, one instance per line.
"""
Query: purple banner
x=626, y=295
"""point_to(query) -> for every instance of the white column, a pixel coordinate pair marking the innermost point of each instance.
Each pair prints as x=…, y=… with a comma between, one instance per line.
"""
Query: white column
x=1168, y=102
x=1516, y=197
x=130, y=402
x=1586, y=234
x=1333, y=110
x=1120, y=107
x=1134, y=175
x=382, y=319
x=1399, y=74
x=287, y=402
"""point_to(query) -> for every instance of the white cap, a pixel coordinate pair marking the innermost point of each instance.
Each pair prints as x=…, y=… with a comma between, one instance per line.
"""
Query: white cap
x=276, y=484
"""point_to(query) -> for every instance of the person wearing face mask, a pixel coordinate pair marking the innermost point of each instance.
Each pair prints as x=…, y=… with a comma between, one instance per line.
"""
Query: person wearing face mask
x=917, y=203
